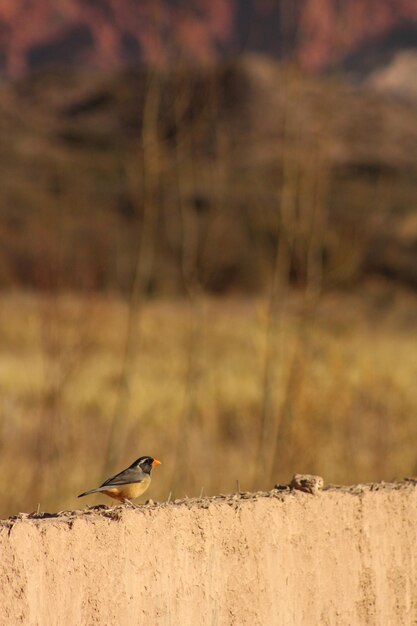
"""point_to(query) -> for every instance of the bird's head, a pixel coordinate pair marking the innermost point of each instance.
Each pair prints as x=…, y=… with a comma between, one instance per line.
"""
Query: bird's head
x=146, y=463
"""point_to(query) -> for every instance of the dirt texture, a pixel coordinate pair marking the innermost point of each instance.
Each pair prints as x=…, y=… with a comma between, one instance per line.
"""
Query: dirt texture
x=342, y=556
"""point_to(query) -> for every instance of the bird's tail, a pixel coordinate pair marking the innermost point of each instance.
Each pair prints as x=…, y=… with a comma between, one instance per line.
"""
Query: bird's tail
x=87, y=493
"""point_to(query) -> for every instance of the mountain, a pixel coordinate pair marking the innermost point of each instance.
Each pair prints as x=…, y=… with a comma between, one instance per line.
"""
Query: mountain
x=104, y=34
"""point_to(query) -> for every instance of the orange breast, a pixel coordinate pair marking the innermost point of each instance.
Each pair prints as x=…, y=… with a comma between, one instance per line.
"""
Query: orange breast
x=128, y=492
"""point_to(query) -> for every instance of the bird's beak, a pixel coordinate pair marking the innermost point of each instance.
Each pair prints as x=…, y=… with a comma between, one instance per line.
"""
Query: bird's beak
x=155, y=462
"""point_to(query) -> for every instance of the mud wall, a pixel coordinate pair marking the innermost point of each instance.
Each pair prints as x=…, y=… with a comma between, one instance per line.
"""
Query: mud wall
x=345, y=556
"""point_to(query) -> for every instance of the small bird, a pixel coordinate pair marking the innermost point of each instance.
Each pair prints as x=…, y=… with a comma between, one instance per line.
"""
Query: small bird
x=130, y=483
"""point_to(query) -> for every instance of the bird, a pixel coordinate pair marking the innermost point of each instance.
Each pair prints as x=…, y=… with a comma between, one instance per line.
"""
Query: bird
x=130, y=483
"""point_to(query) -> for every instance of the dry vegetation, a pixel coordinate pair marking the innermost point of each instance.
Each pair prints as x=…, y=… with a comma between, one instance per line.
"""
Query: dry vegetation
x=208, y=167
x=340, y=398
x=289, y=196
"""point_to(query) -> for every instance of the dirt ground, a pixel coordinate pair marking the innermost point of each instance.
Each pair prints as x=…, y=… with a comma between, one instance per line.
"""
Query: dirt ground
x=345, y=556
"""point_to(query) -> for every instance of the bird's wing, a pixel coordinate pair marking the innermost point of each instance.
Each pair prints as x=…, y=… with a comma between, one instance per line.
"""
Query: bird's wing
x=127, y=477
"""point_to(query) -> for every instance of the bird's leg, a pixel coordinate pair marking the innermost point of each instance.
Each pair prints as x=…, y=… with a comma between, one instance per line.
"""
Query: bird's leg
x=126, y=501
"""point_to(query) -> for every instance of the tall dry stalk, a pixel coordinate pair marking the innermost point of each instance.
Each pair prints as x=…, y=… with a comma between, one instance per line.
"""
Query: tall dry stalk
x=143, y=266
x=271, y=382
x=189, y=271
x=301, y=227
x=310, y=237
x=63, y=339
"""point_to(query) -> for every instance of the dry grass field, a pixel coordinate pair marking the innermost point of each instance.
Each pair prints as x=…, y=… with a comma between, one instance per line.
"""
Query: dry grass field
x=256, y=229
x=220, y=390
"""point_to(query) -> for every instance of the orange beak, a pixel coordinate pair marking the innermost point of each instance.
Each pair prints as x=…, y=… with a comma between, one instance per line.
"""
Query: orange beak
x=155, y=462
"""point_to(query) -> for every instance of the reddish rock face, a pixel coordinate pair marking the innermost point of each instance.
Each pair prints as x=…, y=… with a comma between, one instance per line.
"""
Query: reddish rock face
x=108, y=33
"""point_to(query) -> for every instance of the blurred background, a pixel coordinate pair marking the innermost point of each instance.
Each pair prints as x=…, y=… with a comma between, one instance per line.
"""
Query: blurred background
x=208, y=238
